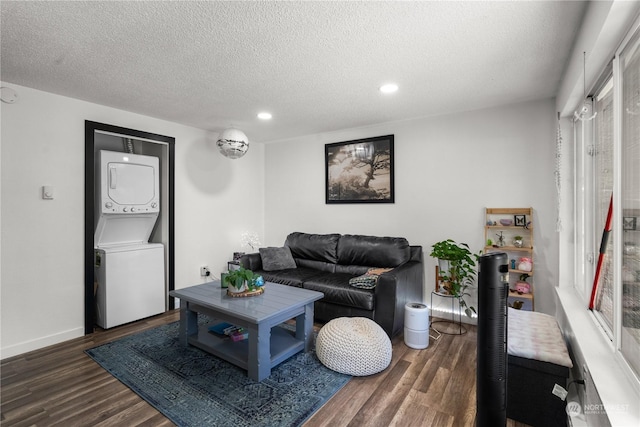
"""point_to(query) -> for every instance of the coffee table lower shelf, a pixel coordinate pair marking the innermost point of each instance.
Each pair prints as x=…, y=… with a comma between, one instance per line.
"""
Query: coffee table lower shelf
x=283, y=344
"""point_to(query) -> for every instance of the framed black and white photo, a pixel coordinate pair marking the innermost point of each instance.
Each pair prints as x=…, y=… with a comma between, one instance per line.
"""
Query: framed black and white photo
x=360, y=171
x=519, y=220
x=629, y=222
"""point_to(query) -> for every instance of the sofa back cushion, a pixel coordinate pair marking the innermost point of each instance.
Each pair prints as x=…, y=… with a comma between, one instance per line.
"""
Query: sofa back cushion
x=313, y=247
x=373, y=251
x=274, y=259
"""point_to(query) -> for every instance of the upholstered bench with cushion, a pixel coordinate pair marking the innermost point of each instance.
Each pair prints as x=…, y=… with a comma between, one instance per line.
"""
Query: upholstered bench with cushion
x=360, y=276
x=537, y=360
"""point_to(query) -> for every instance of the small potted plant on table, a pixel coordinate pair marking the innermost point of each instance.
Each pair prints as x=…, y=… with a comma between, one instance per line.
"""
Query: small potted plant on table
x=243, y=281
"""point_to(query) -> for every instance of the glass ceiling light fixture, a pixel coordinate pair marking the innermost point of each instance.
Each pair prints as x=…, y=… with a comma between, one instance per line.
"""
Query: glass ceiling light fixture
x=583, y=115
x=264, y=115
x=233, y=143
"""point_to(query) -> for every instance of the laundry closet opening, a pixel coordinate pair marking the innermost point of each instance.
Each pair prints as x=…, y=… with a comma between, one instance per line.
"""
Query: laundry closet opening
x=129, y=225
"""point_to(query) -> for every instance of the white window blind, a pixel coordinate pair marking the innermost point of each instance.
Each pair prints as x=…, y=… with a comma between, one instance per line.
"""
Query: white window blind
x=630, y=201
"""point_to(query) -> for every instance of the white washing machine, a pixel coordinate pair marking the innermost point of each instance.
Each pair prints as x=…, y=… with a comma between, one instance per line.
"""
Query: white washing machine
x=129, y=270
x=130, y=283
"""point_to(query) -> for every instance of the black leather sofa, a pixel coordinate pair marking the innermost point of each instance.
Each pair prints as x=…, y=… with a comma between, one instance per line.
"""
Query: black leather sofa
x=326, y=263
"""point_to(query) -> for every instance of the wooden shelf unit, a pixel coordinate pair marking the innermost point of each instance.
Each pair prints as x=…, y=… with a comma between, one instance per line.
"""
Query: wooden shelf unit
x=493, y=227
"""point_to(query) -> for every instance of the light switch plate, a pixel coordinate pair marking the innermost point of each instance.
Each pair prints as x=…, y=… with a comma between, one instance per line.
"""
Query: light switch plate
x=47, y=192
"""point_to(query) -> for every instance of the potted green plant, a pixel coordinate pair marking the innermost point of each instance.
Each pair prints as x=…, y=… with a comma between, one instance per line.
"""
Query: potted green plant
x=240, y=280
x=457, y=265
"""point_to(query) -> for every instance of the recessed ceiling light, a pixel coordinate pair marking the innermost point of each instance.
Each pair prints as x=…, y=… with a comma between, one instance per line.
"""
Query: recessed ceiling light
x=389, y=88
x=264, y=116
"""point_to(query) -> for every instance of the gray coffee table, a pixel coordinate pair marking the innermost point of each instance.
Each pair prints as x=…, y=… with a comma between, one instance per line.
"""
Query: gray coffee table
x=266, y=346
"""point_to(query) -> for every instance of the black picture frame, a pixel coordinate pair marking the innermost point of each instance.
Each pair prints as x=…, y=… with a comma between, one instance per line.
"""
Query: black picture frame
x=520, y=220
x=360, y=171
x=629, y=222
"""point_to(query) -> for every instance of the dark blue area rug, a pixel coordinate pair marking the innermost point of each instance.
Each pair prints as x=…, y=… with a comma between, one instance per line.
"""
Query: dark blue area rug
x=194, y=388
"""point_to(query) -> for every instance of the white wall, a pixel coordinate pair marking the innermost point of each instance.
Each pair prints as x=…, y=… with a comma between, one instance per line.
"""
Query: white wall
x=42, y=261
x=448, y=169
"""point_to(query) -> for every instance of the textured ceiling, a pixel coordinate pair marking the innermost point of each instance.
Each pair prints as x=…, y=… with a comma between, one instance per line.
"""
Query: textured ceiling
x=315, y=66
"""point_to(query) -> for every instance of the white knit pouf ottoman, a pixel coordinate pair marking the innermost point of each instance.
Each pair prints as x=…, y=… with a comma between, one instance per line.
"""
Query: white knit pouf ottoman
x=353, y=345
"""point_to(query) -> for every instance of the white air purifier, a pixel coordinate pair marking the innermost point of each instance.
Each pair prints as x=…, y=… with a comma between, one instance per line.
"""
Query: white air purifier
x=416, y=325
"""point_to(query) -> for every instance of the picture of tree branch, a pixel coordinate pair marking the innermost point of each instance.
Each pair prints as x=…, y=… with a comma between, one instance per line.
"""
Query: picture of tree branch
x=360, y=171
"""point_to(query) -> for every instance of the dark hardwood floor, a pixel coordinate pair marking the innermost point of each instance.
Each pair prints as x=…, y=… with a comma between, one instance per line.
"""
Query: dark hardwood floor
x=61, y=386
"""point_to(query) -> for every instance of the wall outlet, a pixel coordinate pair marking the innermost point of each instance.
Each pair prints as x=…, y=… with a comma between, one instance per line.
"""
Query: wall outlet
x=204, y=271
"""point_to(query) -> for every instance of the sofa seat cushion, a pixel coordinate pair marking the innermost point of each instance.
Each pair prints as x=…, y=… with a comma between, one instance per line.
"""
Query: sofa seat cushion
x=337, y=290
x=292, y=276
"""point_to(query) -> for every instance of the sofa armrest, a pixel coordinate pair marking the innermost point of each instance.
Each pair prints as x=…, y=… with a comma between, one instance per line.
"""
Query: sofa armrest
x=394, y=290
x=252, y=261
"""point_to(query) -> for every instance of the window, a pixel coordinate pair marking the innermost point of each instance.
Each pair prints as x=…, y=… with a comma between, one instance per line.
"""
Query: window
x=603, y=167
x=630, y=201
x=608, y=172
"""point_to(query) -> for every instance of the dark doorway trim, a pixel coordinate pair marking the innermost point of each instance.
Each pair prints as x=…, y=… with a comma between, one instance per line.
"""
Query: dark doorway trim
x=89, y=189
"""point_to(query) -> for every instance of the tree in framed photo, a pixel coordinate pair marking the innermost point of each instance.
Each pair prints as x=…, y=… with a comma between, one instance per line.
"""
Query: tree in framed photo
x=360, y=171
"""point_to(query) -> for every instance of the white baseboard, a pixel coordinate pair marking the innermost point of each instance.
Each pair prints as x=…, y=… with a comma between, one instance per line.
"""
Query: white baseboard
x=38, y=343
x=447, y=315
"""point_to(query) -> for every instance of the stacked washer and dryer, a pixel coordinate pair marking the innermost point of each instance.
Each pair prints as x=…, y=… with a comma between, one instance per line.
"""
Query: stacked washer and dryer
x=129, y=270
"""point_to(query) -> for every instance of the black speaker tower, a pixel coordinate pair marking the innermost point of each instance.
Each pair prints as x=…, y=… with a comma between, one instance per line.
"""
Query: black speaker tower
x=491, y=385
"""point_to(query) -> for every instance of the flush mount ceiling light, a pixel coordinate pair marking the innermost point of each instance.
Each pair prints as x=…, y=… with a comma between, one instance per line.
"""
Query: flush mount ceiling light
x=388, y=88
x=233, y=143
x=264, y=116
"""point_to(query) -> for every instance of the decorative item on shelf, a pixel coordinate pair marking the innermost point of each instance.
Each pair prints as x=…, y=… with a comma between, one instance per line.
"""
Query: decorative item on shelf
x=629, y=223
x=516, y=304
x=525, y=264
x=630, y=248
x=489, y=242
x=520, y=220
x=522, y=287
x=506, y=222
x=500, y=239
x=513, y=264
x=233, y=143
x=243, y=282
x=517, y=241
x=457, y=269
